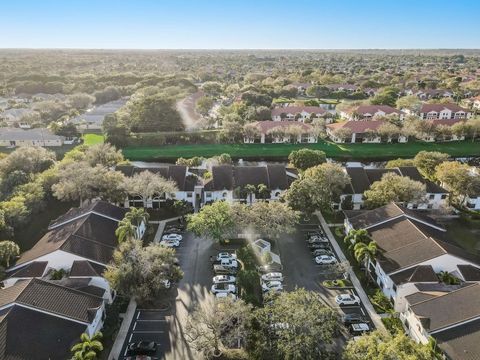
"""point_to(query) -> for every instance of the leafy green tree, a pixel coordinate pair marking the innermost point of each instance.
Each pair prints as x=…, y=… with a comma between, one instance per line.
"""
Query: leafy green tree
x=459, y=179
x=14, y=210
x=306, y=158
x=448, y=278
x=387, y=97
x=88, y=348
x=142, y=272
x=204, y=104
x=427, y=161
x=103, y=154
x=213, y=221
x=410, y=102
x=365, y=253
x=29, y=159
x=378, y=346
x=147, y=184
x=293, y=325
x=8, y=252
x=263, y=191
x=249, y=190
x=126, y=231
x=393, y=187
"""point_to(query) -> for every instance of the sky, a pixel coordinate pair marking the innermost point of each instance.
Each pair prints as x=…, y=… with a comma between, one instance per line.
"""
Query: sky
x=240, y=24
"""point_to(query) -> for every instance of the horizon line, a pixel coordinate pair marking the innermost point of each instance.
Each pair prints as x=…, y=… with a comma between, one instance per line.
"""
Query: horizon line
x=230, y=49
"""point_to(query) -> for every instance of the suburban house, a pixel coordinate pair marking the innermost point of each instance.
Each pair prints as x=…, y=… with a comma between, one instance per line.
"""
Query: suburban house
x=359, y=132
x=93, y=118
x=349, y=88
x=433, y=94
x=275, y=132
x=80, y=242
x=412, y=250
x=12, y=137
x=433, y=132
x=450, y=316
x=297, y=113
x=228, y=183
x=443, y=111
x=362, y=178
x=368, y=112
x=186, y=182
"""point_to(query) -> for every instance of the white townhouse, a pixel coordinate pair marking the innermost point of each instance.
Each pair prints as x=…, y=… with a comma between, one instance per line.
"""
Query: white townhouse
x=368, y=112
x=362, y=178
x=443, y=111
x=279, y=132
x=229, y=183
x=11, y=137
x=297, y=113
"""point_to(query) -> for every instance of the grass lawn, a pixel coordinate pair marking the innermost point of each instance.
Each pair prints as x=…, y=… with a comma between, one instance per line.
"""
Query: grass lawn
x=93, y=139
x=281, y=151
x=28, y=235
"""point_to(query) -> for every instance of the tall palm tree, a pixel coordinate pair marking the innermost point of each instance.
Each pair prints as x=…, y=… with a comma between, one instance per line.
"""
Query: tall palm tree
x=126, y=230
x=356, y=236
x=137, y=216
x=365, y=252
x=88, y=348
x=263, y=191
x=250, y=190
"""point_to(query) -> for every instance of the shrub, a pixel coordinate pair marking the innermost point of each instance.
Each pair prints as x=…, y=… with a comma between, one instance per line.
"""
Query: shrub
x=393, y=324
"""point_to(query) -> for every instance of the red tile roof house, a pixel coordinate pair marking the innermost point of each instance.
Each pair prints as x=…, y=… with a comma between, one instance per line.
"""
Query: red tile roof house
x=357, y=132
x=297, y=113
x=432, y=135
x=367, y=112
x=444, y=111
x=277, y=132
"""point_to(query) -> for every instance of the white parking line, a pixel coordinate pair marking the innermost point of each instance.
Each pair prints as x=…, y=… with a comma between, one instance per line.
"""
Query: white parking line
x=138, y=314
x=134, y=326
x=149, y=332
x=148, y=320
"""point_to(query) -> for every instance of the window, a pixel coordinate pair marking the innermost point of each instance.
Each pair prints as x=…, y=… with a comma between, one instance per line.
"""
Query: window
x=208, y=195
x=444, y=196
x=431, y=196
x=430, y=206
x=189, y=194
x=224, y=195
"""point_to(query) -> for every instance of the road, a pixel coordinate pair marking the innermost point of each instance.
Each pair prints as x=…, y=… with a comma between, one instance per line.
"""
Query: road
x=186, y=108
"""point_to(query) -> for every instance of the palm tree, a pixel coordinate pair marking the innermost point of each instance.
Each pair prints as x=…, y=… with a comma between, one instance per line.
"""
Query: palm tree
x=137, y=216
x=365, y=253
x=448, y=278
x=356, y=236
x=88, y=348
x=263, y=191
x=126, y=230
x=250, y=190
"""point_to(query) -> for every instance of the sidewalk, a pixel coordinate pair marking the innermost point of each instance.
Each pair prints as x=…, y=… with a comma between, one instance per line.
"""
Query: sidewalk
x=353, y=277
x=122, y=333
x=161, y=227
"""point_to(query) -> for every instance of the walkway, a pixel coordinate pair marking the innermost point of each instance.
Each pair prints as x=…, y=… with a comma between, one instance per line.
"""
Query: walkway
x=161, y=227
x=115, y=353
x=353, y=277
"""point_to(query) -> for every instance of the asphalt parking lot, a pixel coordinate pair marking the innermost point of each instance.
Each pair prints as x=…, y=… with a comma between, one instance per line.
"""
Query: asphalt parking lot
x=300, y=270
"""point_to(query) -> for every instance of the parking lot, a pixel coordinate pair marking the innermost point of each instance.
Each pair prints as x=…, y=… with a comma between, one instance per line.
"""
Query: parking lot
x=300, y=269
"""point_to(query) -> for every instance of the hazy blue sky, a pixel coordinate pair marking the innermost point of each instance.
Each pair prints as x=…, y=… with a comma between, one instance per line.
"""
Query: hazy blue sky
x=227, y=24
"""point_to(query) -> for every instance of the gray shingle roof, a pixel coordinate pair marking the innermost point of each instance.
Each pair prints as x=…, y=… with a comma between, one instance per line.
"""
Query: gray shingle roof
x=38, y=134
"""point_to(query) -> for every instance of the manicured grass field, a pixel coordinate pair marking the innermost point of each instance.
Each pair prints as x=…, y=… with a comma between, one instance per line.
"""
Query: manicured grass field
x=281, y=151
x=93, y=139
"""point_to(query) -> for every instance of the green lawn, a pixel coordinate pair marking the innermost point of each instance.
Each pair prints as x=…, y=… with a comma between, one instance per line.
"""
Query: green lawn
x=93, y=139
x=281, y=151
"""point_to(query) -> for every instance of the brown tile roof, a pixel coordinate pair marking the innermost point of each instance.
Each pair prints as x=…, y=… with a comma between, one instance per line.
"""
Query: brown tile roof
x=450, y=309
x=267, y=125
x=368, y=218
x=426, y=108
x=357, y=127
x=86, y=268
x=51, y=298
x=298, y=109
x=469, y=272
x=372, y=109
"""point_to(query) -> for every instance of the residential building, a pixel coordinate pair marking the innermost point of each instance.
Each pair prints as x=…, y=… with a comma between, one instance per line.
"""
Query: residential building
x=43, y=320
x=297, y=113
x=368, y=112
x=12, y=137
x=444, y=111
x=275, y=132
x=432, y=130
x=228, y=183
x=433, y=94
x=93, y=118
x=349, y=88
x=359, y=132
x=362, y=178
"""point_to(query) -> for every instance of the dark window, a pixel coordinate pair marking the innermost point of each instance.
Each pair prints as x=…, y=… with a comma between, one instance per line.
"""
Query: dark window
x=444, y=196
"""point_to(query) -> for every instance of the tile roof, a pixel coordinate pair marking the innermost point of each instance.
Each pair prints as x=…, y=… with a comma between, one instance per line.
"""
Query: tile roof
x=51, y=298
x=372, y=109
x=298, y=109
x=37, y=134
x=267, y=125
x=34, y=269
x=426, y=108
x=420, y=273
x=357, y=127
x=461, y=342
x=450, y=309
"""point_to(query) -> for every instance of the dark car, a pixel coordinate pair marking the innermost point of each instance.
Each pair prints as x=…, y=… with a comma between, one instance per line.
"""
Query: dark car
x=318, y=252
x=321, y=245
x=142, y=348
x=274, y=267
x=354, y=318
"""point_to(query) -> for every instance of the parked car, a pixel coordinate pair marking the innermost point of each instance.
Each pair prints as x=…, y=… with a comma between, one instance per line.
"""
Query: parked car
x=273, y=276
x=226, y=255
x=347, y=299
x=353, y=318
x=318, y=252
x=359, y=328
x=177, y=237
x=272, y=286
x=319, y=239
x=224, y=279
x=223, y=295
x=224, y=270
x=325, y=260
x=322, y=245
x=316, y=232
x=273, y=267
x=229, y=263
x=170, y=243
x=223, y=288
x=142, y=348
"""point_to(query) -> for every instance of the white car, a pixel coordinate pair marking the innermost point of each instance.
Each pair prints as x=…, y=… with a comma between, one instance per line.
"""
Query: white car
x=273, y=276
x=224, y=279
x=226, y=296
x=223, y=288
x=272, y=286
x=226, y=255
x=170, y=243
x=166, y=283
x=317, y=238
x=177, y=237
x=229, y=263
x=325, y=260
x=347, y=299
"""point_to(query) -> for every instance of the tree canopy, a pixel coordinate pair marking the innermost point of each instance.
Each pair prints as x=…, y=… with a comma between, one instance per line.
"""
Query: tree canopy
x=306, y=158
